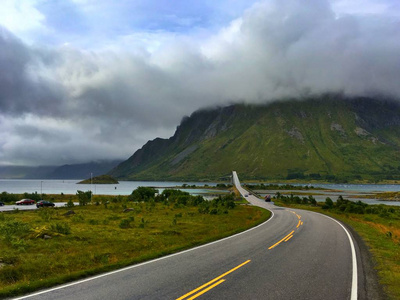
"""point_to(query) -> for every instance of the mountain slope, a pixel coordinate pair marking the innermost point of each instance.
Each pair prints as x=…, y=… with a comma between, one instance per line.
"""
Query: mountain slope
x=328, y=137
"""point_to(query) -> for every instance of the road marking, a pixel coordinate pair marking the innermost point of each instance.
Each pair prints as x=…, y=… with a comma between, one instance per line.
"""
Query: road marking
x=354, y=281
x=210, y=282
x=298, y=224
x=276, y=244
x=290, y=235
x=289, y=238
x=206, y=290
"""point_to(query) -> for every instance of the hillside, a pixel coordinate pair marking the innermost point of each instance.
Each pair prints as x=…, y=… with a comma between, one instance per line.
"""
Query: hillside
x=325, y=138
x=102, y=179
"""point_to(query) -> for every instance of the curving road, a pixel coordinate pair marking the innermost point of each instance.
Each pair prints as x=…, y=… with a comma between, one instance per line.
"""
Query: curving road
x=296, y=254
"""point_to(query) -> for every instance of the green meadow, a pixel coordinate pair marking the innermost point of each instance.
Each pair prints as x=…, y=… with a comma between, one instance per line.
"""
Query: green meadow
x=45, y=247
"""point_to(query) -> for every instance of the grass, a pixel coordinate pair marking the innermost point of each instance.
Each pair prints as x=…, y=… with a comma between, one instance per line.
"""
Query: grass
x=381, y=232
x=99, y=238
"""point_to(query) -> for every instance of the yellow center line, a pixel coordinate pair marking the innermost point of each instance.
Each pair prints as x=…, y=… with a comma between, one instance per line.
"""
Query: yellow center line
x=298, y=224
x=276, y=244
x=212, y=281
x=289, y=238
x=206, y=290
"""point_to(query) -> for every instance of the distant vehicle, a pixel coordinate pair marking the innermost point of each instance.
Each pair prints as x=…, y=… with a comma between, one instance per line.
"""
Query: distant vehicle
x=1, y=203
x=25, y=202
x=246, y=195
x=44, y=203
x=268, y=198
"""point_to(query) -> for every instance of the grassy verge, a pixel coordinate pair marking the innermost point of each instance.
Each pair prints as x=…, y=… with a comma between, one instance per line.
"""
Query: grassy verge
x=379, y=227
x=46, y=247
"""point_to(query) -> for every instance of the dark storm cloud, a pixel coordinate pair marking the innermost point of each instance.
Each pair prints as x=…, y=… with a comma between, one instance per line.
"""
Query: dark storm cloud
x=87, y=105
x=22, y=89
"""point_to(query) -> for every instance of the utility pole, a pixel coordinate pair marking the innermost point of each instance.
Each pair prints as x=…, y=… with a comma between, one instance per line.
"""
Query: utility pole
x=91, y=191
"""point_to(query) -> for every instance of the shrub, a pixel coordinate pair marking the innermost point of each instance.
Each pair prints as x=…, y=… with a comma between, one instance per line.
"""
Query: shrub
x=70, y=203
x=125, y=223
x=11, y=230
x=328, y=203
x=77, y=218
x=62, y=228
x=84, y=197
x=46, y=214
x=143, y=193
x=94, y=222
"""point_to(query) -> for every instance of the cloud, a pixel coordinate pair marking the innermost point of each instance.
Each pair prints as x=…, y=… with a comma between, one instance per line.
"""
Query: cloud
x=68, y=104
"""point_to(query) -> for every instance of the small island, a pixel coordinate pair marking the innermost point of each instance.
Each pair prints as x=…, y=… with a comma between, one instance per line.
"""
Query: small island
x=102, y=179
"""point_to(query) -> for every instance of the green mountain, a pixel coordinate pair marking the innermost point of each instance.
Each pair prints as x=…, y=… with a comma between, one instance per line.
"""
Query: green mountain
x=325, y=138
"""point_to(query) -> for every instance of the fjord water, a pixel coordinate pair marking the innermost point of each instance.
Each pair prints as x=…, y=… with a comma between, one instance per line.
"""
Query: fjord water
x=353, y=192
x=19, y=186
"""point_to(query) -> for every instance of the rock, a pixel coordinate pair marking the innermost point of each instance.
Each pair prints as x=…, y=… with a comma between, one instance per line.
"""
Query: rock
x=46, y=237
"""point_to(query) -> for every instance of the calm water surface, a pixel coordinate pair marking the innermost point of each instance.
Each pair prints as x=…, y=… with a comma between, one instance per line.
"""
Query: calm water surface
x=350, y=191
x=70, y=186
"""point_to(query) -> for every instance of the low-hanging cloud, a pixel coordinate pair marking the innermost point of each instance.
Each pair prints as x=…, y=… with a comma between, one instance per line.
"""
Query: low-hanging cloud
x=108, y=103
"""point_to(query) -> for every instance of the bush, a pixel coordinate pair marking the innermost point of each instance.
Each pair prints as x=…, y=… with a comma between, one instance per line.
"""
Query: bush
x=125, y=223
x=11, y=230
x=62, y=228
x=328, y=203
x=143, y=193
x=8, y=198
x=84, y=197
x=46, y=214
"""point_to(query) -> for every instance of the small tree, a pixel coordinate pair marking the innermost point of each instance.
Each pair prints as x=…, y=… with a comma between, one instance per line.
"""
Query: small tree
x=84, y=197
x=328, y=203
x=143, y=193
x=312, y=200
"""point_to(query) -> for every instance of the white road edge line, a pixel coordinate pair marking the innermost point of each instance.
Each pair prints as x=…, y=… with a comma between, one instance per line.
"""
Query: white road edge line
x=354, y=281
x=141, y=264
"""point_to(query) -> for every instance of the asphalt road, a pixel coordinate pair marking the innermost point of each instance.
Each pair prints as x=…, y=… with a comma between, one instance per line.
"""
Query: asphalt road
x=295, y=255
x=28, y=207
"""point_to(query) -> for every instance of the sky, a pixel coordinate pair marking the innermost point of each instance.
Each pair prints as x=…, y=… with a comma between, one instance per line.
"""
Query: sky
x=88, y=80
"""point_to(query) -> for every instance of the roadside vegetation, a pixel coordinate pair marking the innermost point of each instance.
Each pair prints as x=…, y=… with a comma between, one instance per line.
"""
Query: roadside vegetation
x=50, y=246
x=378, y=225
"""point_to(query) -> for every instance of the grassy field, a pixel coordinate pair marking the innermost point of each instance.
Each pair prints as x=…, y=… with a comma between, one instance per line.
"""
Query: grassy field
x=49, y=246
x=379, y=227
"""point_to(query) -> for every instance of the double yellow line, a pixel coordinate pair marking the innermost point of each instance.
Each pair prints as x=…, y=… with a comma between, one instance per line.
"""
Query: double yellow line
x=209, y=285
x=286, y=238
x=290, y=235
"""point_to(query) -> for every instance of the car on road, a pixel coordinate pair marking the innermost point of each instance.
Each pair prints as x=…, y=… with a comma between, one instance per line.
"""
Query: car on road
x=44, y=203
x=1, y=203
x=25, y=202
